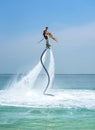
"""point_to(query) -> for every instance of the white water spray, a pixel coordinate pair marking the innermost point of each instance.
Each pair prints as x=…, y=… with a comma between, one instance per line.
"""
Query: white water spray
x=51, y=69
x=20, y=92
x=29, y=80
x=24, y=97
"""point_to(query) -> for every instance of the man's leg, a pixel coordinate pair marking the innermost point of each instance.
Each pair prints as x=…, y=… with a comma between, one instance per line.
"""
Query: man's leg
x=47, y=44
x=47, y=41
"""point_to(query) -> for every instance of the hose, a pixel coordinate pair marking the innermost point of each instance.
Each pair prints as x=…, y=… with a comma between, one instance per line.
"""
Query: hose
x=44, y=92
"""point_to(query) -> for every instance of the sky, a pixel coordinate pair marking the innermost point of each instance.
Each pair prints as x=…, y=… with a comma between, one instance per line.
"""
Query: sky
x=71, y=21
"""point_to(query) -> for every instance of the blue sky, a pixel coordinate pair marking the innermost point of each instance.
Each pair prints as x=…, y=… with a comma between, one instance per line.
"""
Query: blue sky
x=71, y=21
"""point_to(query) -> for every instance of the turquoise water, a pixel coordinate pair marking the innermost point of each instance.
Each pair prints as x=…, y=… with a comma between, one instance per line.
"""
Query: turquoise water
x=72, y=106
x=14, y=118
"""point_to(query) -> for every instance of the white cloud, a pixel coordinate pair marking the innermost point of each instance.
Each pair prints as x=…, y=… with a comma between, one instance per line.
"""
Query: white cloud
x=78, y=35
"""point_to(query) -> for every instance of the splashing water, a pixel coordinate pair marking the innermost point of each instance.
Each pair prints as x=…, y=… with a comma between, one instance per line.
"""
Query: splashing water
x=51, y=69
x=29, y=80
x=21, y=93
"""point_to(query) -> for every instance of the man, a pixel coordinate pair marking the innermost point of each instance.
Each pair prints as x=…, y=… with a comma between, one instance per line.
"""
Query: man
x=46, y=34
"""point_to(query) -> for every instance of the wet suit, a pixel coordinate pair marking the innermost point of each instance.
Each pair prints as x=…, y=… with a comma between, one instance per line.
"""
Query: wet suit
x=46, y=38
x=44, y=34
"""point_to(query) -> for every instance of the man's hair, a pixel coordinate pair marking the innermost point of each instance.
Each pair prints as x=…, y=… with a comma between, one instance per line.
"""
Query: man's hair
x=46, y=27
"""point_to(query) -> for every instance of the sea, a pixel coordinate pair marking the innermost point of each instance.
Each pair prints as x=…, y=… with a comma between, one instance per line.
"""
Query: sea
x=70, y=107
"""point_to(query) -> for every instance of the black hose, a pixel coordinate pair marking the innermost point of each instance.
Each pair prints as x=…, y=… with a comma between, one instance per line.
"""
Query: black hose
x=45, y=71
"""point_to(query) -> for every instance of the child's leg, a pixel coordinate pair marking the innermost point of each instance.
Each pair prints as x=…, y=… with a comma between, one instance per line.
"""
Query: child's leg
x=54, y=39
